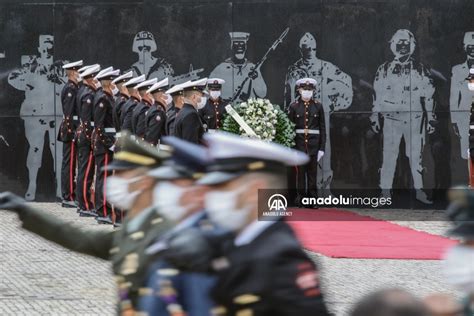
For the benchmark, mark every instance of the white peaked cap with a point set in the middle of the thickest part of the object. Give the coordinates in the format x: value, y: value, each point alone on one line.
x: 73, y: 64
x: 146, y: 83
x: 125, y: 76
x: 108, y: 74
x: 225, y: 145
x: 103, y: 71
x: 306, y: 81
x: 176, y: 88
x: 91, y: 70
x: 211, y: 81
x: 80, y: 70
x: 199, y: 84
x: 134, y: 81
x: 160, y: 84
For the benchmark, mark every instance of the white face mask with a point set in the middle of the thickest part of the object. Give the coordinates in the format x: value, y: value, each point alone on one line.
x: 470, y: 86
x: 221, y: 206
x: 202, y: 103
x: 98, y: 84
x: 307, y: 95
x: 115, y: 90
x: 169, y: 99
x: 214, y: 94
x: 166, y: 198
x: 459, y: 268
x: 118, y: 194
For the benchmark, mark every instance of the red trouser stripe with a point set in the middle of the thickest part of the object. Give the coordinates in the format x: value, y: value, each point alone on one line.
x: 104, y: 189
x: 84, y: 185
x: 71, y: 172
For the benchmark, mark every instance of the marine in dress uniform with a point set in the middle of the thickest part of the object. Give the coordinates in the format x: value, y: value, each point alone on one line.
x: 126, y: 115
x: 176, y: 93
x: 120, y: 99
x: 169, y: 290
x: 308, y: 116
x: 188, y: 125
x: 85, y: 154
x: 155, y: 117
x: 67, y: 132
x: 213, y: 112
x: 265, y: 270
x: 124, y: 247
x: 104, y: 143
x: 138, y: 113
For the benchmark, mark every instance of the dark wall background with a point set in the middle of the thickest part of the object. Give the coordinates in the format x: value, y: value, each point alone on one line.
x: 352, y: 35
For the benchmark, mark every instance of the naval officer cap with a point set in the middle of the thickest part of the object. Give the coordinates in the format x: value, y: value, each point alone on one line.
x: 471, y: 74
x: 239, y: 36
x: 176, y: 90
x: 188, y: 161
x: 91, y: 71
x: 123, y: 78
x: 103, y: 71
x: 134, y: 81
x: 136, y: 154
x: 196, y: 85
x: 145, y: 85
x: 306, y: 83
x: 215, y: 83
x: 108, y: 75
x: 234, y: 156
x: 74, y: 65
x: 84, y: 68
x: 160, y: 86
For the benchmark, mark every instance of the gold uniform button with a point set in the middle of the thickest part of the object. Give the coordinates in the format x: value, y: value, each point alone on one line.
x: 246, y: 299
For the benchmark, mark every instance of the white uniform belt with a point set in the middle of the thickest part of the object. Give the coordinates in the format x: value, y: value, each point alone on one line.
x: 109, y: 130
x: 119, y: 134
x: 471, y: 126
x: 307, y: 131
x: 212, y: 130
x: 75, y: 118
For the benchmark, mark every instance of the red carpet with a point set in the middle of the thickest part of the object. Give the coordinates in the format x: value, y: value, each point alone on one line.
x: 342, y: 234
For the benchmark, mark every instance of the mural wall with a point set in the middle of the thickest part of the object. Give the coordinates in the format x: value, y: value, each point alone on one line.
x: 391, y: 76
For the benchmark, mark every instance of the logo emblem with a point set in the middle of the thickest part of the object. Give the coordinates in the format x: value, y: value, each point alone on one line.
x: 277, y: 202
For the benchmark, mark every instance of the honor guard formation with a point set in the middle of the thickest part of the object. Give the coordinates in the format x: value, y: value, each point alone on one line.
x: 149, y: 158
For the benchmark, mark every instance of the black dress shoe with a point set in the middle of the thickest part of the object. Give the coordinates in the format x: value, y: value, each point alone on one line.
x: 68, y: 204
x: 84, y: 213
x: 104, y: 220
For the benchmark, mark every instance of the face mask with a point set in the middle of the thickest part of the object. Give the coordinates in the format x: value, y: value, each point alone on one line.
x: 118, y: 194
x: 169, y: 99
x: 306, y: 95
x: 470, y: 86
x: 115, y: 90
x: 98, y: 84
x: 202, y: 103
x: 221, y: 207
x: 459, y: 268
x: 215, y: 95
x: 166, y: 197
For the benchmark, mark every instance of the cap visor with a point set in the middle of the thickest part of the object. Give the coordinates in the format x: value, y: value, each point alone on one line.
x: 217, y: 177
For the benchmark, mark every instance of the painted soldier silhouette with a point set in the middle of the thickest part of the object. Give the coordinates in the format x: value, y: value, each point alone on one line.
x: 41, y: 79
x: 334, y: 91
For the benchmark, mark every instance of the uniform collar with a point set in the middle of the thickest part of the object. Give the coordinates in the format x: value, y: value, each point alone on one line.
x: 251, y: 232
x: 188, y: 222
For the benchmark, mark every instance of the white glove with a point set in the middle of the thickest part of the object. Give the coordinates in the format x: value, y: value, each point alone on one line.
x: 113, y: 148
x: 320, y: 155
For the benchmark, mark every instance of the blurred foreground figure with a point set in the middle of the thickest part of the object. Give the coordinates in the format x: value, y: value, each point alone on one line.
x: 459, y: 260
x: 130, y: 189
x: 390, y: 302
x: 264, y: 270
x: 178, y: 199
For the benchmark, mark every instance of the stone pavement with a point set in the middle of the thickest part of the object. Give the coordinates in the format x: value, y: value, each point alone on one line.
x: 40, y: 278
